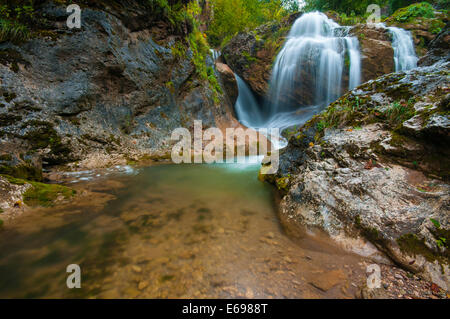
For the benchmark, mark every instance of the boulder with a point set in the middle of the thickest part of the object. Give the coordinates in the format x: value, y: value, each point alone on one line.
x: 373, y: 167
x: 229, y: 81
x: 376, y: 51
x: 438, y: 49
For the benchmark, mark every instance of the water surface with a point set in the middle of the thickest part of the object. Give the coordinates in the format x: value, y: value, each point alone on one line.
x: 168, y: 231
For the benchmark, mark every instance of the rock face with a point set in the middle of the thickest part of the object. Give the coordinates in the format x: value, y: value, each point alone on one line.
x: 377, y: 54
x: 251, y: 54
x: 118, y: 86
x: 229, y: 81
x: 439, y: 48
x: 372, y: 170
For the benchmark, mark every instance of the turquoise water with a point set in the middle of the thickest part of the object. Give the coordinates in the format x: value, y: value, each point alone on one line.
x: 166, y: 231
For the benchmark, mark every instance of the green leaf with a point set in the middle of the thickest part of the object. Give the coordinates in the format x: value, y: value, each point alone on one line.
x: 435, y: 223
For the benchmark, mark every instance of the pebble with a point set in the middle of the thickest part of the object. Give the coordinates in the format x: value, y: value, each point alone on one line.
x: 136, y: 268
x: 142, y: 285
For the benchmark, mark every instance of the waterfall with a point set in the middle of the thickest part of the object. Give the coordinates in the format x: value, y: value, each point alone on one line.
x: 404, y: 54
x: 215, y: 54
x: 309, y: 69
x: 247, y: 108
x: 355, y: 62
x: 405, y: 57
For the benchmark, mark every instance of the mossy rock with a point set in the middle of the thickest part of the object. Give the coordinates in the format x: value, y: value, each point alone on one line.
x: 43, y: 135
x: 26, y: 172
x: 40, y: 194
x: 411, y: 244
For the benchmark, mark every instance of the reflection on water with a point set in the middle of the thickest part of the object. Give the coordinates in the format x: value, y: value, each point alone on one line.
x: 191, y: 231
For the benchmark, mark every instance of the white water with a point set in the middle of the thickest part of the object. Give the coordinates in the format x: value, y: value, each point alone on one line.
x: 319, y: 45
x: 313, y: 59
x: 405, y: 57
x: 312, y: 62
x: 247, y: 108
x: 215, y: 54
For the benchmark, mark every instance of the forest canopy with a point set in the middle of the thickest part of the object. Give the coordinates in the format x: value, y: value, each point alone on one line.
x: 233, y: 16
x: 359, y: 7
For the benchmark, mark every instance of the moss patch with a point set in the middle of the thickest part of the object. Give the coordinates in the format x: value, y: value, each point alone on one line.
x: 26, y: 172
x: 43, y: 135
x: 40, y: 194
x: 411, y: 244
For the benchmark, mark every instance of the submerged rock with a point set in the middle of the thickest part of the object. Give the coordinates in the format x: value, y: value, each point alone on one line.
x: 374, y: 167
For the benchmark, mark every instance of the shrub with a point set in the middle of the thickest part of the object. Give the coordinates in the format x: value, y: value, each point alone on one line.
x: 416, y: 10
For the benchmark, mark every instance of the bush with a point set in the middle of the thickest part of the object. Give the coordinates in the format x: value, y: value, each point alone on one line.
x: 416, y: 10
x: 14, y: 17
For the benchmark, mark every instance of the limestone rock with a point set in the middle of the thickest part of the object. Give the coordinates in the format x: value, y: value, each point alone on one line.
x: 370, y: 176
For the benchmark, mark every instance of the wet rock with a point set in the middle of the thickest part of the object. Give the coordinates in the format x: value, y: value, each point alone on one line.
x: 110, y: 92
x: 136, y: 269
x: 326, y: 281
x: 11, y: 195
x: 142, y: 285
x: 251, y: 54
x: 376, y: 178
x: 377, y: 54
x: 438, y: 49
x: 377, y: 293
x: 229, y: 80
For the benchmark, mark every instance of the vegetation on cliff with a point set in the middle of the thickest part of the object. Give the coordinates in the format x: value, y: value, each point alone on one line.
x: 233, y: 16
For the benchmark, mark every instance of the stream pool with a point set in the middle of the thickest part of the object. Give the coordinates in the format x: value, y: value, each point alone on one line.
x: 171, y: 231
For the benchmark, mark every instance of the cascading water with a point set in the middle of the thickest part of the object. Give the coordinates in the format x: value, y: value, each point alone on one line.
x: 308, y: 73
x: 309, y: 69
x: 215, y: 54
x: 404, y: 54
x: 247, y: 108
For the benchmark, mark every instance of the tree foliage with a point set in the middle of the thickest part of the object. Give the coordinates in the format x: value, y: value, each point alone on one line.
x: 359, y: 7
x: 233, y: 16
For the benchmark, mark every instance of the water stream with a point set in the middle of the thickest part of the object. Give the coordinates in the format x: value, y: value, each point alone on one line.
x: 307, y: 75
x: 199, y: 231
x: 405, y: 57
x: 171, y: 231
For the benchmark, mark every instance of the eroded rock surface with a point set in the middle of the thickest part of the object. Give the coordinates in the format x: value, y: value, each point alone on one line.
x: 114, y: 89
x: 374, y: 167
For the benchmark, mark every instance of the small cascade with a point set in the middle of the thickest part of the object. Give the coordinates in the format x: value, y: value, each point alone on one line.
x: 310, y: 67
x: 247, y: 108
x: 355, y: 62
x: 404, y: 54
x: 405, y: 57
x: 215, y: 54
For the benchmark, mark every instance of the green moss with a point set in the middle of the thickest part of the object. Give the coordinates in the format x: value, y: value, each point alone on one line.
x: 9, y: 119
x: 27, y: 172
x: 43, y: 135
x: 411, y: 244
x: 282, y: 184
x: 40, y: 194
x: 166, y: 278
x: 408, y: 14
x: 1, y: 210
x: 1, y: 223
x: 45, y: 194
